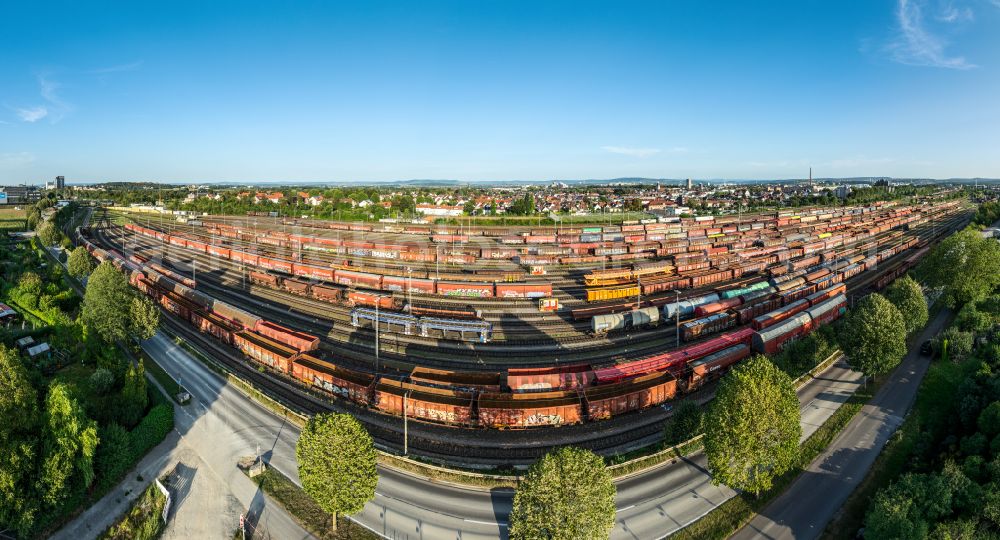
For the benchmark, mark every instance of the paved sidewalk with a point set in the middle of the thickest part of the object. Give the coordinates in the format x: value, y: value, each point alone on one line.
x: 210, y: 492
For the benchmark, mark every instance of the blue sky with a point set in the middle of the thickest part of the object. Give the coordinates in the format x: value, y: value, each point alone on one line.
x: 493, y: 90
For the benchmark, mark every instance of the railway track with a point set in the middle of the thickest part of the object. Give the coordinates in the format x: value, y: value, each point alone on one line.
x: 357, y: 344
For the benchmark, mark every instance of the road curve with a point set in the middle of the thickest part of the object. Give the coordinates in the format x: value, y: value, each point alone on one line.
x: 651, y: 504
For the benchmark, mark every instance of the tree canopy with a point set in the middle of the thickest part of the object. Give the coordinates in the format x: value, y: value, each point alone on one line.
x: 110, y: 306
x: 80, y: 263
x: 873, y: 335
x: 568, y: 494
x: 906, y: 295
x: 47, y: 233
x: 965, y: 264
x: 337, y: 460
x: 752, y: 426
x: 69, y: 443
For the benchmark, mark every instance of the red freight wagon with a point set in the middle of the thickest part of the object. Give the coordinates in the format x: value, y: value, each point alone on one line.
x: 315, y: 272
x: 226, y: 311
x: 707, y: 277
x: 549, y: 378
x: 346, y: 383
x: 293, y: 338
x: 219, y: 251
x: 828, y: 311
x: 424, y: 402
x: 275, y: 264
x: 176, y: 305
x: 673, y: 359
x: 176, y: 240
x: 529, y: 410
x: 771, y: 339
x: 498, y: 253
x: 358, y: 279
x: 417, y: 256
x: 632, y: 395
x: 243, y: 257
x: 667, y: 284
x: 462, y: 288
x: 524, y: 290
x: 327, y: 294
x: 822, y: 296
x: 384, y: 301
x: 401, y: 284
x: 711, y: 324
x: 715, y: 365
x: 745, y: 314
x: 266, y: 351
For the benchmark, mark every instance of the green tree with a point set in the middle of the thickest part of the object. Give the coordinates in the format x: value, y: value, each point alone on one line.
x: 80, y: 263
x: 337, y: 463
x: 873, y: 335
x: 568, y: 494
x: 906, y: 295
x: 144, y: 317
x: 965, y: 264
x: 106, y: 302
x: 959, y: 343
x: 18, y: 444
x: 752, y: 427
x: 685, y: 423
x: 906, y: 508
x: 971, y: 319
x: 47, y: 233
x: 133, y: 396
x: 69, y: 442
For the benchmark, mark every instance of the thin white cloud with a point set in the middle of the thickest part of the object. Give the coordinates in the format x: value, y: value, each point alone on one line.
x: 951, y: 14
x: 132, y: 66
x: 32, y: 114
x: 917, y: 46
x: 634, y: 152
x: 16, y: 160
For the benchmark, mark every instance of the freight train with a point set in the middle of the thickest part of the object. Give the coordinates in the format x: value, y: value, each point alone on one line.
x: 363, y: 280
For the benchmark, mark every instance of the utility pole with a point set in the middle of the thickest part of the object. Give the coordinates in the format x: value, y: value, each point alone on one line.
x: 406, y: 432
x: 377, y: 300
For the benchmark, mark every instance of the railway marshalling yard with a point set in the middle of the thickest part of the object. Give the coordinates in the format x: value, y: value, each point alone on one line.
x: 503, y: 342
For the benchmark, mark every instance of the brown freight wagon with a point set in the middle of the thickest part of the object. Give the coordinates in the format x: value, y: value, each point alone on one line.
x: 424, y: 402
x: 502, y: 410
x: 632, y: 395
x: 463, y: 380
x: 327, y: 294
x: 297, y: 287
x: 329, y: 377
x: 266, y: 351
x: 549, y: 378
x: 215, y: 325
x: 263, y: 279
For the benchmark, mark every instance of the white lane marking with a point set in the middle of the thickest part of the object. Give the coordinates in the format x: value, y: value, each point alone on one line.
x: 629, y: 507
x: 500, y: 523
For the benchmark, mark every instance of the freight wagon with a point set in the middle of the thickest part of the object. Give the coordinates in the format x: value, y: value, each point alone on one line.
x: 423, y: 402
x: 331, y: 378
x: 639, y: 393
x: 549, y: 378
x: 535, y: 409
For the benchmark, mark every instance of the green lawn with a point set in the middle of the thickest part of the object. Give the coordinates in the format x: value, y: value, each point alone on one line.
x: 12, y: 220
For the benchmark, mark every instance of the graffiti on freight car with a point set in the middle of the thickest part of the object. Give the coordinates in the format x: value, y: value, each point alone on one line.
x: 542, y: 419
x: 435, y: 414
x: 478, y: 293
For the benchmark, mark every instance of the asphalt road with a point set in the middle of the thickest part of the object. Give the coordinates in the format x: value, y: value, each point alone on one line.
x: 652, y: 504
x: 803, y: 511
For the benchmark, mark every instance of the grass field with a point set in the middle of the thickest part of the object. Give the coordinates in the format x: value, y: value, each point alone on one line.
x: 12, y: 220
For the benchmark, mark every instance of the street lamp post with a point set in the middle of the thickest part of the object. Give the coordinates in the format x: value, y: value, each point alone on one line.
x: 377, y: 299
